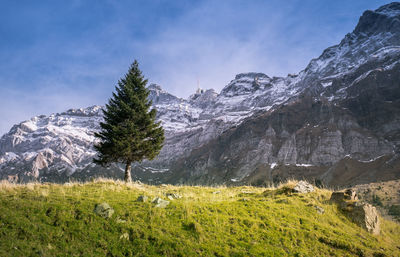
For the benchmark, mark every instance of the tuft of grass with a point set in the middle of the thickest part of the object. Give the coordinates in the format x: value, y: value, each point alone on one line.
x: 53, y: 220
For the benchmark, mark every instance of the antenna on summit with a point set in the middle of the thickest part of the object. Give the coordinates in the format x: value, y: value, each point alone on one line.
x: 199, y: 90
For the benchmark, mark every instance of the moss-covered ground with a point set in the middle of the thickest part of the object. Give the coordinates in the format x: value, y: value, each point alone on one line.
x: 58, y: 220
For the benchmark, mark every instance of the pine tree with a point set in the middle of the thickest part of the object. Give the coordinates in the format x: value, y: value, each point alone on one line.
x: 129, y: 132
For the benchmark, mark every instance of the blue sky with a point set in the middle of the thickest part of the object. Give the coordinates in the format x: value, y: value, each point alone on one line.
x: 56, y: 55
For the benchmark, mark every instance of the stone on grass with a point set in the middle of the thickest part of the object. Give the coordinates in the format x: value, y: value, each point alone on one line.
x: 303, y: 187
x: 366, y: 216
x: 363, y: 214
x: 173, y: 196
x: 160, y: 203
x: 104, y: 210
x: 142, y: 198
x: 319, y: 209
x: 216, y: 192
x: 124, y: 236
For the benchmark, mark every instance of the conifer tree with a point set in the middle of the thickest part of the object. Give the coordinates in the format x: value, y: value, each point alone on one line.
x: 129, y: 132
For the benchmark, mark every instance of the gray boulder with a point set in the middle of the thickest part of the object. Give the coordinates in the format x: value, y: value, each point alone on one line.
x: 142, y: 198
x: 160, y: 203
x: 367, y: 217
x: 173, y: 196
x: 303, y: 187
x: 104, y: 210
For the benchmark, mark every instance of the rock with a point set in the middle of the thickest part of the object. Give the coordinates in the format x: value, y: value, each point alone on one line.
x: 119, y: 220
x: 216, y: 192
x: 340, y: 196
x: 351, y: 194
x: 366, y: 216
x: 160, y: 203
x: 319, y: 209
x: 363, y: 214
x: 104, y: 210
x: 303, y: 187
x: 173, y: 196
x: 124, y: 236
x: 142, y: 198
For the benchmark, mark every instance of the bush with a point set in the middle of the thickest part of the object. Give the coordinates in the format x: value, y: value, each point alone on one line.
x: 394, y: 210
x: 376, y: 200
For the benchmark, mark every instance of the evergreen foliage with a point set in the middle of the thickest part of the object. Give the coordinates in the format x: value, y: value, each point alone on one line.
x: 129, y: 132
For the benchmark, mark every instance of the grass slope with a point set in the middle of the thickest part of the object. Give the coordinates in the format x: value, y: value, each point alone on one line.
x: 58, y: 220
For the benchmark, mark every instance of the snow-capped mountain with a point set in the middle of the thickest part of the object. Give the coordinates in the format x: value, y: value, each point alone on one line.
x: 330, y: 121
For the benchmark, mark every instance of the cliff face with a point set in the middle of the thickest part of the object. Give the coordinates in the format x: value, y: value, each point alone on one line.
x: 337, y: 121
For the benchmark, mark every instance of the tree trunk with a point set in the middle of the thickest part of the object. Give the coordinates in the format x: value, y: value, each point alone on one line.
x: 128, y: 177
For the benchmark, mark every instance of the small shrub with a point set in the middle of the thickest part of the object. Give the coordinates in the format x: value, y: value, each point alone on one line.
x: 394, y: 210
x: 376, y: 200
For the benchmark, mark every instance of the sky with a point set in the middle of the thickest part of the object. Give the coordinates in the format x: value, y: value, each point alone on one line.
x: 56, y: 55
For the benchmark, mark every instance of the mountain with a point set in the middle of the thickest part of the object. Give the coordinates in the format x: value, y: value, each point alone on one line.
x: 337, y: 121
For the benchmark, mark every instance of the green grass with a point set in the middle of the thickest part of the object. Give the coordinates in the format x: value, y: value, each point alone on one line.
x: 58, y: 220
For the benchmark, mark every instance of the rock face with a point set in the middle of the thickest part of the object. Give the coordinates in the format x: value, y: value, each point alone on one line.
x: 337, y: 122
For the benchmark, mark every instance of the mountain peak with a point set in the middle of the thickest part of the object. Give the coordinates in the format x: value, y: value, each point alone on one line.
x: 89, y: 111
x: 154, y: 87
x: 392, y: 9
x: 251, y: 75
x: 384, y: 19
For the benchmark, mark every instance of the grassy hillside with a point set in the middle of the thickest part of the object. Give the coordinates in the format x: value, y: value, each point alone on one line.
x: 59, y: 220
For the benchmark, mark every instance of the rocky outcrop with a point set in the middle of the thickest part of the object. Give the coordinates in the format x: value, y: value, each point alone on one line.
x: 303, y: 187
x: 342, y: 196
x: 363, y: 214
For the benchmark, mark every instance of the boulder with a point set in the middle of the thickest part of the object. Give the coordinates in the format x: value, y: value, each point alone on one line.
x: 340, y: 196
x: 303, y: 187
x: 363, y: 214
x: 160, y: 203
x: 104, y: 210
x: 173, y: 196
x: 142, y: 198
x: 366, y: 216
